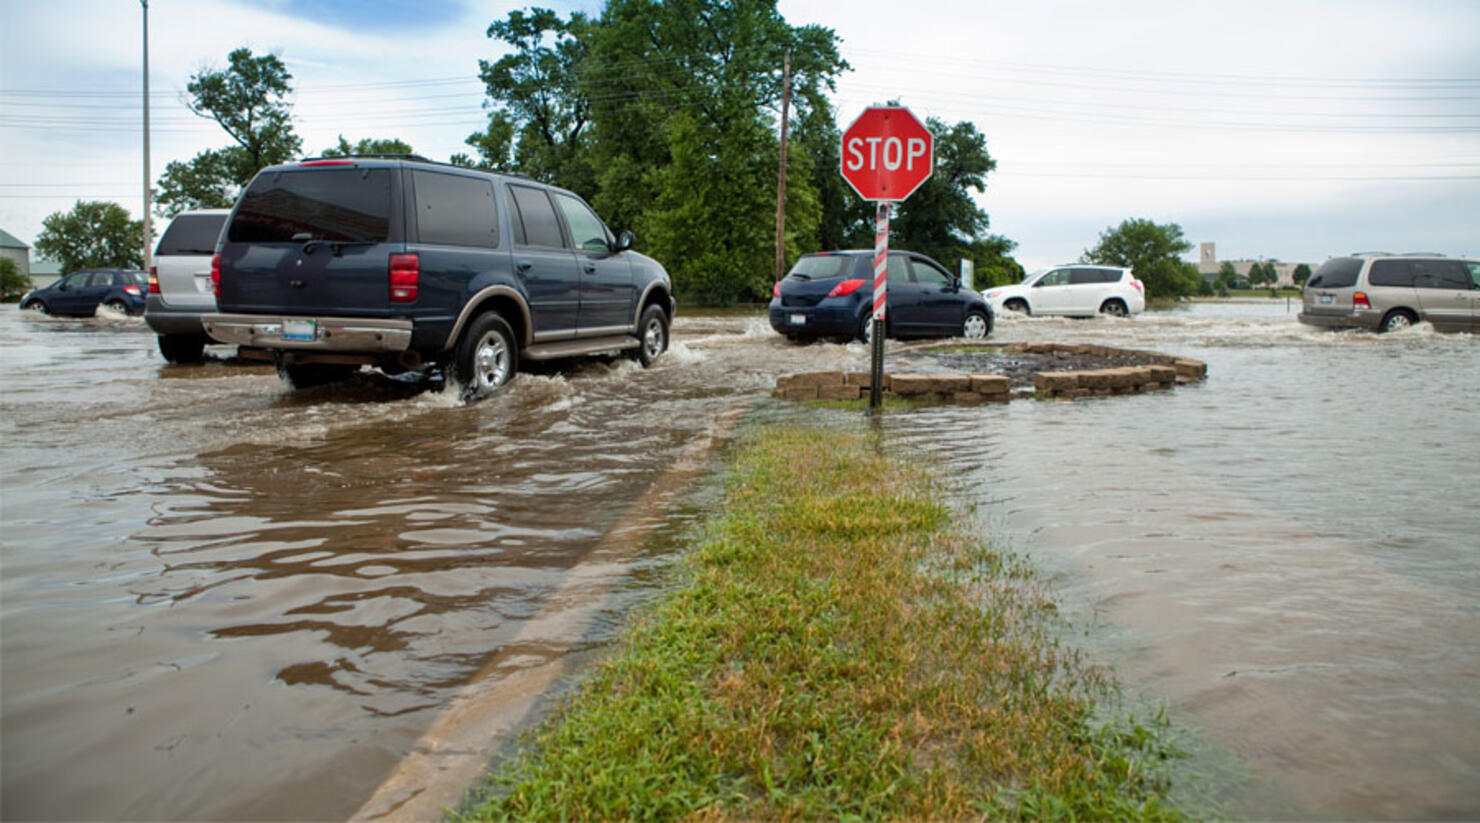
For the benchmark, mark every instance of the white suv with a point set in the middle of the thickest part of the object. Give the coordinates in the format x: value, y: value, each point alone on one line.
x: 1075, y: 289
x: 180, y: 283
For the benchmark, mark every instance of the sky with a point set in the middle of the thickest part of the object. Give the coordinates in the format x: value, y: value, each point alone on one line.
x: 1294, y: 130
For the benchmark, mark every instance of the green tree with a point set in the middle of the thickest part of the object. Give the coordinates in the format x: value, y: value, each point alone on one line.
x: 248, y: 100
x: 1227, y: 275
x: 368, y: 145
x: 12, y: 283
x: 1301, y: 274
x: 93, y: 234
x: 1152, y: 251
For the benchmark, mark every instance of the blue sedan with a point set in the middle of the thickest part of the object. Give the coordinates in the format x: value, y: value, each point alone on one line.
x: 81, y: 292
x: 831, y: 294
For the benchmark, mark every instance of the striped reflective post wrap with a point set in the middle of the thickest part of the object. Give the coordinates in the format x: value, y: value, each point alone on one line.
x: 881, y: 300
x: 881, y: 261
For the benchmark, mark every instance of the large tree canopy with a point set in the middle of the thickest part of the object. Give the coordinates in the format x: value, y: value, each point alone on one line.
x: 93, y: 234
x: 248, y: 99
x: 367, y: 146
x: 1153, y: 251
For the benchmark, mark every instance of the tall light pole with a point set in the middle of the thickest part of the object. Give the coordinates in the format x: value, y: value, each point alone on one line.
x: 148, y: 232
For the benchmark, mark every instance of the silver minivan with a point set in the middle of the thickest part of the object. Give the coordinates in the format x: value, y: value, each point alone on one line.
x: 1384, y: 292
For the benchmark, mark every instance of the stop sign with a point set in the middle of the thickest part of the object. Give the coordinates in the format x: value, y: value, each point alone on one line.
x: 887, y: 153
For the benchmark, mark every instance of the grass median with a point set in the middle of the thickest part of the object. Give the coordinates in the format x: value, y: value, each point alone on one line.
x: 837, y: 647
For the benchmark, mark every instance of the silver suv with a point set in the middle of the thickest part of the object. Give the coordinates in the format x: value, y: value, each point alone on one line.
x: 1383, y: 292
x: 180, y: 283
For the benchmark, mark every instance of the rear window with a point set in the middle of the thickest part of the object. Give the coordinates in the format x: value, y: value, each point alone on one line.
x: 191, y: 234
x: 822, y: 267
x: 1337, y: 273
x: 345, y: 205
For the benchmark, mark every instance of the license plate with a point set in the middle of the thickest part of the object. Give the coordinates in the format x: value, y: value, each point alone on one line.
x: 301, y: 330
x: 799, y: 319
x: 1327, y: 298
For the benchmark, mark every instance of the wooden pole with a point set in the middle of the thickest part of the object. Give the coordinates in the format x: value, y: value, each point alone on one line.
x: 781, y: 170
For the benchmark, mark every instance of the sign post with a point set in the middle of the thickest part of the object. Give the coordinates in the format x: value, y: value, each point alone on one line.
x: 886, y: 155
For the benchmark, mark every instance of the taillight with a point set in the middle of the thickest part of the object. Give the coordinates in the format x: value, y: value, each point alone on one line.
x: 846, y: 287
x: 134, y: 290
x: 405, y: 277
x: 776, y: 289
x: 154, y: 280
x: 216, y: 275
x: 1139, y: 286
x: 1360, y: 301
x: 327, y: 163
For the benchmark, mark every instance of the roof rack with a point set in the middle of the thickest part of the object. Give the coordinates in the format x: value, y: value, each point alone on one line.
x: 400, y: 156
x: 1423, y: 254
x: 1371, y: 254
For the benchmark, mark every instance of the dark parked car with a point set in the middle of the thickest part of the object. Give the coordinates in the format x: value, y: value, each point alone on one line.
x: 409, y: 265
x: 80, y: 293
x: 830, y: 295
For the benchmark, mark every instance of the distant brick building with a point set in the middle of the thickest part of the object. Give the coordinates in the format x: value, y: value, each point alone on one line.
x: 1208, y: 266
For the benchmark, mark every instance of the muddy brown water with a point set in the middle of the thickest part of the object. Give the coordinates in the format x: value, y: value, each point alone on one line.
x: 222, y: 600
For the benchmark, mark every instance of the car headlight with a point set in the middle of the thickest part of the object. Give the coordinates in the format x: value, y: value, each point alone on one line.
x: 993, y: 293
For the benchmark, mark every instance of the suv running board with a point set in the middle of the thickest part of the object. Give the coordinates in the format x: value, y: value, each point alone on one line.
x: 575, y: 348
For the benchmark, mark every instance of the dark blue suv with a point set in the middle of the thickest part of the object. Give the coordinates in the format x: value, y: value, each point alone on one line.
x: 831, y: 295
x: 409, y: 265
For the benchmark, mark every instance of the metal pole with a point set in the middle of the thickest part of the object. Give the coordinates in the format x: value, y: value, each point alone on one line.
x: 148, y: 205
x: 881, y: 298
x: 781, y: 170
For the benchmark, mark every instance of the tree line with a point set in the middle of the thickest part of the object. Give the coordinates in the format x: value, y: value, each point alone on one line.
x: 666, y: 117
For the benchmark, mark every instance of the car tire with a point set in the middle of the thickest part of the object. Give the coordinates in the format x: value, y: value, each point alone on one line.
x: 976, y: 326
x: 652, y: 334
x: 1017, y: 305
x: 182, y: 348
x: 1396, y: 320
x: 1114, y: 307
x: 36, y: 306
x: 309, y: 375
x: 487, y: 356
x: 117, y: 305
x: 865, y: 328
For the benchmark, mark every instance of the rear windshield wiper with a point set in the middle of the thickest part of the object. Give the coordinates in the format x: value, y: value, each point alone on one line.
x: 335, y: 246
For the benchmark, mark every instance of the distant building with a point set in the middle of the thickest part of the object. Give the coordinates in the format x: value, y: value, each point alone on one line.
x: 13, y: 249
x: 45, y: 272
x: 1208, y: 265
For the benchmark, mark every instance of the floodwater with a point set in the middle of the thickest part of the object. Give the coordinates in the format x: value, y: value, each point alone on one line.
x: 223, y: 600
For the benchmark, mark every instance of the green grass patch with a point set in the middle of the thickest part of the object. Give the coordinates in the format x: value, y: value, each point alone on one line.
x: 836, y: 648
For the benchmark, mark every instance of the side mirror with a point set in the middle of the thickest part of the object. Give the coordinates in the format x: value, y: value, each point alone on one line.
x: 625, y: 241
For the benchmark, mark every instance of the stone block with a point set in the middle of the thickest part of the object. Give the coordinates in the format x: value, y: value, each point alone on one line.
x: 1162, y: 374
x: 990, y: 384
x: 1194, y: 369
x: 1055, y: 381
x: 797, y: 393
x: 839, y: 392
x: 1094, y: 379
x: 952, y: 383
x: 912, y: 385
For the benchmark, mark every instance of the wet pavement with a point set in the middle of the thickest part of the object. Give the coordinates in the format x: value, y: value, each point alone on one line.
x: 220, y: 599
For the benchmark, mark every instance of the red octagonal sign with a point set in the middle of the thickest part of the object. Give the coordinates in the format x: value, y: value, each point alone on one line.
x: 887, y: 154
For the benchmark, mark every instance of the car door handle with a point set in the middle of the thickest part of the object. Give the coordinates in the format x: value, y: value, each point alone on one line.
x: 523, y: 265
x: 589, y: 267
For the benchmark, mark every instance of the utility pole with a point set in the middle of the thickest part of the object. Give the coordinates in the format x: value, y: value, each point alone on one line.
x: 148, y: 232
x: 781, y: 170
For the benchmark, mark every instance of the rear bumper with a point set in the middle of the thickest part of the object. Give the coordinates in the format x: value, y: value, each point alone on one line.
x: 814, y: 321
x: 165, y: 320
x: 357, y: 335
x: 1351, y: 320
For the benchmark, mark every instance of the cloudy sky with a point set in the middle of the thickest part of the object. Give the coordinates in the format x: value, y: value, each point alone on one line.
x: 1288, y: 129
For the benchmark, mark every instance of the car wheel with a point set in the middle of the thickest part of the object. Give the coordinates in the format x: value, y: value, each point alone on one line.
x: 653, y: 332
x: 1114, y: 308
x: 182, y: 348
x: 36, y: 306
x: 1019, y: 306
x: 308, y: 375
x: 117, y: 305
x: 975, y: 326
x: 1397, y: 319
x: 866, y: 328
x: 487, y: 357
